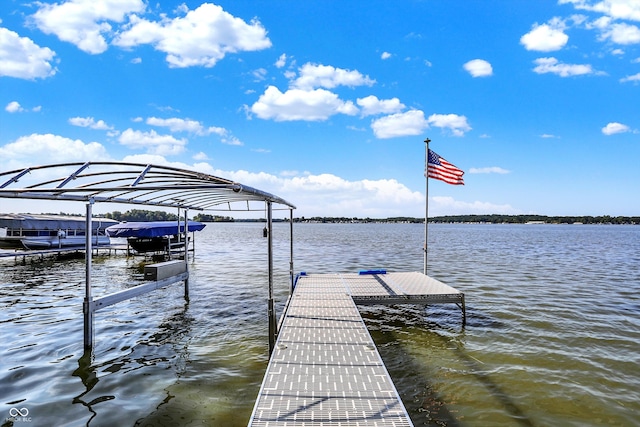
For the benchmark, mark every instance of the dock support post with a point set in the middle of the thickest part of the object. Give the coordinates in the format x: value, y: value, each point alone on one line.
x: 464, y: 312
x: 87, y: 307
x: 271, y: 311
x: 291, y: 278
x: 186, y: 251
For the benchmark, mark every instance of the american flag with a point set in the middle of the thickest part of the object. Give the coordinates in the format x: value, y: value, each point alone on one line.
x: 439, y: 168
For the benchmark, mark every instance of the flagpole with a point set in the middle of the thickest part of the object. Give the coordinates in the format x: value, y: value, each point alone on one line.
x: 426, y: 210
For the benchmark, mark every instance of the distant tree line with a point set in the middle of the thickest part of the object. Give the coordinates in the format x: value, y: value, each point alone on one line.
x: 144, y: 215
x: 212, y: 218
x: 342, y: 219
x: 523, y: 219
x: 491, y: 219
x: 330, y: 219
x: 135, y: 215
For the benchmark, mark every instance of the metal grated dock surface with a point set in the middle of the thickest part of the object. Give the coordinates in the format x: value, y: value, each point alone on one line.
x: 325, y: 369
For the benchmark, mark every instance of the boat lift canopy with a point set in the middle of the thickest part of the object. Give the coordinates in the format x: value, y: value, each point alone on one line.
x: 132, y: 183
x: 142, y: 184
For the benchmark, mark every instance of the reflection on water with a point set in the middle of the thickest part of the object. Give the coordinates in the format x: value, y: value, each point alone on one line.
x: 552, y: 334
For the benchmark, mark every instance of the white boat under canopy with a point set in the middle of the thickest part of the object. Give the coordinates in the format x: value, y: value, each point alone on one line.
x: 50, y: 231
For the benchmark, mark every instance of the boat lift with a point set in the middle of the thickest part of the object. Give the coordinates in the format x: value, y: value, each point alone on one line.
x: 149, y: 185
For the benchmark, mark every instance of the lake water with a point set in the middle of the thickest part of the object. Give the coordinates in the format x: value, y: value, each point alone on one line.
x: 552, y: 335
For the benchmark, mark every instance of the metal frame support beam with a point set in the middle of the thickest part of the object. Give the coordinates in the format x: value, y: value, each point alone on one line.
x: 186, y: 251
x: 87, y: 308
x: 291, y: 278
x: 270, y: 310
x: 125, y: 294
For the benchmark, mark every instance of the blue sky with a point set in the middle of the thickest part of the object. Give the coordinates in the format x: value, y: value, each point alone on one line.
x: 327, y: 103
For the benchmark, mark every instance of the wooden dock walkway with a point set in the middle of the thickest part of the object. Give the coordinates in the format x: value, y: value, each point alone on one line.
x: 325, y: 369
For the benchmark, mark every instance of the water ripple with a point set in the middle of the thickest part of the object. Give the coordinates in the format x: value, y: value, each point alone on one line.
x: 553, y: 326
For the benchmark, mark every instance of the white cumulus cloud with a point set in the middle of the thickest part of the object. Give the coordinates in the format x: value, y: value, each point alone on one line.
x: 458, y: 125
x: 633, y: 78
x: 408, y: 123
x: 84, y: 22
x: 176, y: 124
x: 328, y: 77
x: 298, y: 104
x: 282, y: 61
x: 194, y: 127
x: 371, y: 105
x: 615, y: 127
x: 479, y: 68
x: 152, y: 142
x: 308, y: 98
x: 201, y: 38
x: 13, y: 107
x: 621, y: 33
x: 89, y: 122
x: 331, y: 195
x: 327, y: 194
x: 609, y: 25
x: 552, y: 65
x: 545, y: 37
x: 21, y: 58
x: 201, y: 156
x: 618, y: 9
x: 38, y: 149
x: 450, y: 206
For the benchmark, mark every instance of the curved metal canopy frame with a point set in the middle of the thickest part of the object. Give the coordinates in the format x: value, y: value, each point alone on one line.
x: 130, y: 183
x: 140, y: 184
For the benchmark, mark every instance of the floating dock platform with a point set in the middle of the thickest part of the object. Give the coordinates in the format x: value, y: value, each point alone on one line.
x: 325, y: 369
